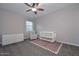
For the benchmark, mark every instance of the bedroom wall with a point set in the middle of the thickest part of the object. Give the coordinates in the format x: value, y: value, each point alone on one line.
x: 0, y: 27
x: 64, y: 22
x: 11, y: 23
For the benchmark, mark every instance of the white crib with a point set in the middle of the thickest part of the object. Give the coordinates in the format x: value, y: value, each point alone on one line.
x: 48, y: 36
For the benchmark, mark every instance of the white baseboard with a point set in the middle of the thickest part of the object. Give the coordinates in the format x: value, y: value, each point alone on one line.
x: 69, y: 43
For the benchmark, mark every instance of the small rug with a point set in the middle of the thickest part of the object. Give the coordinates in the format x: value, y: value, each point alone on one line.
x: 50, y: 46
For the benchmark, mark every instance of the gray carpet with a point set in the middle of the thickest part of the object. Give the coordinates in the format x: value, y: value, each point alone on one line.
x: 26, y: 48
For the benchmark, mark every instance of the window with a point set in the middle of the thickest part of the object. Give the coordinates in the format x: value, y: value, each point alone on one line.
x: 29, y: 26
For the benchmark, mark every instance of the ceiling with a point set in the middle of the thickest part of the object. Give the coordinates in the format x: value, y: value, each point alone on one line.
x: 21, y: 8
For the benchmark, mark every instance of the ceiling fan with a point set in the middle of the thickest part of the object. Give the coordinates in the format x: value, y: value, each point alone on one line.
x: 33, y: 7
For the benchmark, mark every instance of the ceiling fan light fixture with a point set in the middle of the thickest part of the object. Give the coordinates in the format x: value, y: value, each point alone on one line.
x: 34, y: 9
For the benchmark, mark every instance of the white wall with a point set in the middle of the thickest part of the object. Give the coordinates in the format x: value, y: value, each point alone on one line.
x: 0, y: 26
x: 11, y: 23
x: 65, y: 22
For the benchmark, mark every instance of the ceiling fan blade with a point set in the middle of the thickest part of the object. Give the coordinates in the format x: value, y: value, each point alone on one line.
x: 27, y: 4
x: 28, y: 10
x: 37, y: 4
x: 40, y: 9
x: 33, y: 5
x: 35, y: 12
